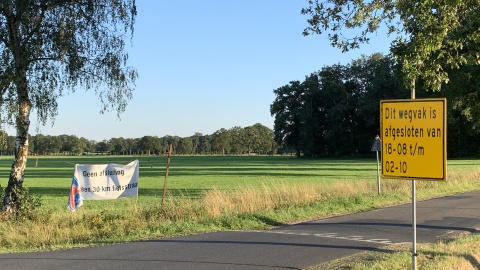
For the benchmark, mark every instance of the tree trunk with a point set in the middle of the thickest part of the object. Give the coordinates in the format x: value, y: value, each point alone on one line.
x: 24, y: 105
x: 17, y: 171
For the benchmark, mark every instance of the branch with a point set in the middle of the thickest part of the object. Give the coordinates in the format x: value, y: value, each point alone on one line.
x: 38, y: 21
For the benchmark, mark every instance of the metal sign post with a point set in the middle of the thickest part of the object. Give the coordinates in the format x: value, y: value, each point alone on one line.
x: 377, y: 147
x: 414, y: 145
x: 414, y: 227
x: 414, y: 211
x: 170, y: 150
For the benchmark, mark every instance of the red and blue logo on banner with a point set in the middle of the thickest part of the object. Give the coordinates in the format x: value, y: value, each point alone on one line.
x: 75, y: 198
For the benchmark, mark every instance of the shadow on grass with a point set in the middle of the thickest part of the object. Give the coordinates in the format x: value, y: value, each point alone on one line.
x: 468, y: 257
x: 267, y: 220
x: 61, y: 173
x: 146, y: 192
x: 154, y: 166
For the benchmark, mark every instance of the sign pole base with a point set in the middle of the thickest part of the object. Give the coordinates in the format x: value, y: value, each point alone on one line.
x: 414, y: 227
x: 378, y: 175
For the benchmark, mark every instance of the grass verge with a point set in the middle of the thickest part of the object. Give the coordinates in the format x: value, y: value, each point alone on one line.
x: 242, y: 196
x: 250, y: 207
x: 461, y: 253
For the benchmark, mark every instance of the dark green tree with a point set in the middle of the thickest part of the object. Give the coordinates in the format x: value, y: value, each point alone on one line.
x: 104, y: 147
x: 337, y: 108
x: 431, y: 36
x: 378, y: 77
x: 286, y: 108
x: 237, y: 143
x: 250, y: 139
x: 264, y: 139
x: 149, y: 144
x: 71, y: 145
x: 86, y: 145
x: 196, y: 142
x: 221, y: 141
x: 463, y: 110
x: 185, y: 146
x: 205, y: 147
x: 132, y: 146
x: 311, y: 116
x: 334, y: 102
x: 119, y: 145
x: 55, y: 144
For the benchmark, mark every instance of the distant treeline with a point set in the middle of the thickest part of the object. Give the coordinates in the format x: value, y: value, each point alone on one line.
x: 335, y: 111
x: 256, y: 139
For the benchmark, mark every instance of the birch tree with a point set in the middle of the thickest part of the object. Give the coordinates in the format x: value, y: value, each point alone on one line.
x: 49, y: 48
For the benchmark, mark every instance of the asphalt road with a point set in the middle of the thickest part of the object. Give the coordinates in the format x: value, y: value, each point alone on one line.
x: 289, y: 247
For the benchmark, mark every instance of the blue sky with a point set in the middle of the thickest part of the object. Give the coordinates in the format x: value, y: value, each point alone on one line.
x: 203, y: 66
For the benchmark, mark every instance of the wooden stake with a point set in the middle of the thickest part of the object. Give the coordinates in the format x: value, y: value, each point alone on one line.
x: 170, y: 150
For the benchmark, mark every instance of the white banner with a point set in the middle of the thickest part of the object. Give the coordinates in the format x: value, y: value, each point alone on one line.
x: 101, y: 182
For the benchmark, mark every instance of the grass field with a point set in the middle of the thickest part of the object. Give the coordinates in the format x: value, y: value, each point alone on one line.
x: 208, y: 193
x: 193, y: 175
x: 189, y: 176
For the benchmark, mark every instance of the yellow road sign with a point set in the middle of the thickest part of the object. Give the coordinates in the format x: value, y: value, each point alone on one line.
x: 414, y: 138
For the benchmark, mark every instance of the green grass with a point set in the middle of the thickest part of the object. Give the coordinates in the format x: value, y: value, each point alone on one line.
x: 460, y: 253
x: 208, y: 193
x: 192, y: 176
x: 189, y: 176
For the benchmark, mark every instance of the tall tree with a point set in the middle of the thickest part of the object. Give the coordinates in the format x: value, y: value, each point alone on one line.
x: 205, y: 146
x: 237, y: 144
x: 196, y: 142
x: 119, y: 145
x: 336, y: 107
x: 286, y: 108
x: 334, y: 101
x: 55, y: 144
x: 185, y: 146
x: 166, y: 141
x: 48, y: 47
x: 312, y: 116
x: 104, y: 147
x: 432, y: 36
x: 221, y: 141
x: 149, y: 144
x: 379, y: 79
x: 132, y: 145
x: 250, y: 139
x: 264, y: 139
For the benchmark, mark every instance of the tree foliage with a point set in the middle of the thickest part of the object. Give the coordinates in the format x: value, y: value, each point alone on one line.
x: 255, y: 140
x: 336, y: 109
x: 431, y: 36
x: 50, y: 47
